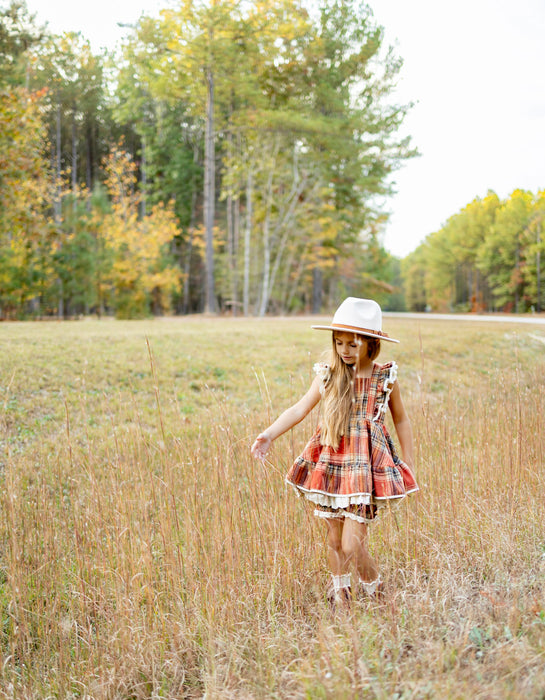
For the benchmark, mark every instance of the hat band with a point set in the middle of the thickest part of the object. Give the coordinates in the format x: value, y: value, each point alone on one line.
x: 355, y: 329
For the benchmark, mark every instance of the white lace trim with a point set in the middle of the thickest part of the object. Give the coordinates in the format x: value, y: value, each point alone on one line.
x: 389, y: 382
x: 343, y: 514
x: 321, y: 498
x: 370, y: 587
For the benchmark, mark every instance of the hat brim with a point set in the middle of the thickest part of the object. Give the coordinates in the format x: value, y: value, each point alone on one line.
x: 366, y: 333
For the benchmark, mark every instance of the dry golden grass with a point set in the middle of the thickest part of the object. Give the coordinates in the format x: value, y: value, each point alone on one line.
x: 144, y: 554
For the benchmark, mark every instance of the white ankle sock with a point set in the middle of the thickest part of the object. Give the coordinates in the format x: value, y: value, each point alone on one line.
x: 342, y: 581
x: 370, y: 587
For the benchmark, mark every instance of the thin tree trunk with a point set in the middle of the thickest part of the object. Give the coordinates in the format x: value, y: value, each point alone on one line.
x: 187, y: 263
x: 317, y: 289
x: 285, y: 288
x: 233, y: 221
x: 74, y: 155
x: 265, y: 287
x: 57, y: 207
x: 517, y: 265
x: 88, y: 169
x: 295, y: 283
x: 247, y: 242
x: 234, y: 268
x: 232, y: 208
x: 209, y: 194
x: 285, y: 224
x: 538, y: 267
x: 266, y: 256
x: 58, y: 203
x: 143, y: 210
x: 233, y: 224
x: 192, y: 221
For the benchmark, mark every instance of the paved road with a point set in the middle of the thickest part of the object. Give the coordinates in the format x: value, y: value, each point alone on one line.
x: 500, y: 318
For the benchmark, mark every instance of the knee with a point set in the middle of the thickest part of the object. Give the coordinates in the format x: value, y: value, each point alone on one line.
x: 350, y: 549
x: 352, y: 546
x: 334, y: 540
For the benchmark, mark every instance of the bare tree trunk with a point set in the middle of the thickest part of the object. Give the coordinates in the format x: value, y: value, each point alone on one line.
x: 247, y: 242
x: 74, y: 154
x: 58, y: 202
x: 284, y: 223
x: 143, y: 169
x: 209, y: 194
x: 57, y: 208
x: 285, y: 286
x: 187, y: 263
x: 192, y: 217
x: 538, y: 267
x: 517, y: 265
x: 266, y: 253
x: 234, y: 267
x: 317, y: 289
x: 265, y: 287
x: 295, y: 283
x: 88, y: 169
x: 232, y: 223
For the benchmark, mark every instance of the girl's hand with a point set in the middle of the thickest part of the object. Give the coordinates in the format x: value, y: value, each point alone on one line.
x: 261, y: 446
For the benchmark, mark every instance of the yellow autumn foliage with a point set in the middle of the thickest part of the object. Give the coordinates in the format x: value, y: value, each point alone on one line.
x: 142, y: 276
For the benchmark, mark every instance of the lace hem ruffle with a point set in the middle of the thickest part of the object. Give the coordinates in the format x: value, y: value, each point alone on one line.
x: 334, y: 500
x: 342, y: 515
x: 331, y: 500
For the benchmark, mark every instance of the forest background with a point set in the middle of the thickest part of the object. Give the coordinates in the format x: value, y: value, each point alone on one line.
x: 229, y: 157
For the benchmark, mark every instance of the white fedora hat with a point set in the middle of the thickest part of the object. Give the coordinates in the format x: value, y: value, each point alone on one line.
x: 361, y: 316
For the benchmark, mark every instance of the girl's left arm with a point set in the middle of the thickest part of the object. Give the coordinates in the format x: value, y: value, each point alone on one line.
x: 402, y: 425
x: 287, y: 420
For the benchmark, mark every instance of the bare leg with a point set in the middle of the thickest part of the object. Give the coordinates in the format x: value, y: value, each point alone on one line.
x: 354, y: 547
x: 339, y: 593
x: 335, y: 555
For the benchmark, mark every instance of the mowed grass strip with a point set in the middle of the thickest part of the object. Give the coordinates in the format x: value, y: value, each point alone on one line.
x: 145, y: 554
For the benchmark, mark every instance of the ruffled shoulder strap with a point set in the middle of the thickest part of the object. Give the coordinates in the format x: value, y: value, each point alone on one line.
x: 389, y: 372
x: 386, y: 380
x: 322, y: 370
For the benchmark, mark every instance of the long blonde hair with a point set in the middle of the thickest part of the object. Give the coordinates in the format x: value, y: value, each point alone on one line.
x: 339, y: 394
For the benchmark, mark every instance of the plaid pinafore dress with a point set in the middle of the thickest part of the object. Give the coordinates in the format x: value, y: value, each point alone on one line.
x: 364, y: 473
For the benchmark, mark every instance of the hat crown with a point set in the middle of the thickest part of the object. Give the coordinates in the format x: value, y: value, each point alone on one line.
x: 361, y: 316
x: 354, y: 313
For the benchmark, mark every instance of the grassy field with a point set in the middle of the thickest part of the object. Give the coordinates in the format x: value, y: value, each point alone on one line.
x: 144, y: 554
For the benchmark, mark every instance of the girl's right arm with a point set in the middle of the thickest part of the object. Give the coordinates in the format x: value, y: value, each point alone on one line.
x: 291, y: 416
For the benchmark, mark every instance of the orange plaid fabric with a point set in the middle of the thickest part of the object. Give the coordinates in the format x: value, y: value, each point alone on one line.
x: 364, y: 473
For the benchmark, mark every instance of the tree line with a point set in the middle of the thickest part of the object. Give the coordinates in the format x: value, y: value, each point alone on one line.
x: 487, y: 257
x: 228, y: 157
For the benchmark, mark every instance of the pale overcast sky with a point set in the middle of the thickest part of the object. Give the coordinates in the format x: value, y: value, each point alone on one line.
x: 474, y: 68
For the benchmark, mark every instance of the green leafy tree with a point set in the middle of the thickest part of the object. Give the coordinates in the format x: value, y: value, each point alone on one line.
x: 413, y: 271
x: 503, y: 254
x: 170, y: 144
x: 24, y: 190
x: 534, y: 236
x: 455, y: 280
x: 295, y: 114
x: 474, y: 225
x: 143, y: 277
x: 18, y: 34
x: 76, y: 107
x: 486, y: 257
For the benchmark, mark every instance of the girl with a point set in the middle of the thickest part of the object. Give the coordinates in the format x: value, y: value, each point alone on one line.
x: 350, y: 468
